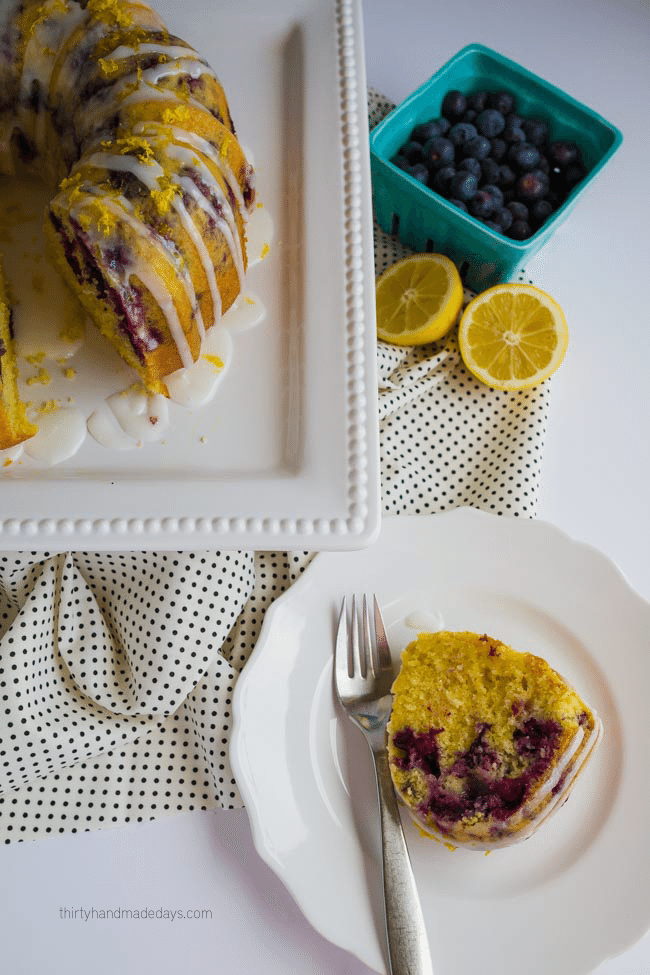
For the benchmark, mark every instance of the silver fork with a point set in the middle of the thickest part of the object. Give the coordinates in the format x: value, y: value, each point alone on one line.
x: 363, y: 678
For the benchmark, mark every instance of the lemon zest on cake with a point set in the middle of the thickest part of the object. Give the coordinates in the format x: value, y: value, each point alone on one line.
x: 181, y: 114
x: 133, y: 39
x: 108, y: 68
x: 110, y: 12
x: 132, y: 145
x: 163, y: 198
x: 100, y: 218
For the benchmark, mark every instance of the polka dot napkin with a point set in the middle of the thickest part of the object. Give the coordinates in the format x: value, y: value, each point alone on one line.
x: 117, y: 669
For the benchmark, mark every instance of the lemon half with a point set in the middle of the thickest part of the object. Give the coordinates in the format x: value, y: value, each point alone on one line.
x: 513, y: 336
x: 418, y: 300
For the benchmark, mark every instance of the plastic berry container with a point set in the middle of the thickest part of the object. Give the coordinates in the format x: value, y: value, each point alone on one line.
x: 426, y: 221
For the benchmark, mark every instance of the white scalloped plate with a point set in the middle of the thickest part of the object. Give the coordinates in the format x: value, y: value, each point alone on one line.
x: 286, y: 456
x: 561, y: 902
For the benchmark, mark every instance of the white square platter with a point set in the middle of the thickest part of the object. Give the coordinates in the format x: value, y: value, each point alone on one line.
x: 286, y: 456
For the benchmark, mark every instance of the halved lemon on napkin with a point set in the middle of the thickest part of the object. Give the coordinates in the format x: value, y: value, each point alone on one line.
x: 418, y: 300
x: 513, y: 336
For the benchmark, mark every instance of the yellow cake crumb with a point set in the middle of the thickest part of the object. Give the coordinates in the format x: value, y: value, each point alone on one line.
x: 42, y: 376
x: 49, y: 406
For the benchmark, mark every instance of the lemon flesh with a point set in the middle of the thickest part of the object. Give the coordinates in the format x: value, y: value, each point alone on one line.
x: 513, y: 336
x: 418, y: 300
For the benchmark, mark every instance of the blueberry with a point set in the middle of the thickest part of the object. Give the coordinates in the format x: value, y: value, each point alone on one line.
x: 400, y: 161
x: 429, y: 130
x: 505, y: 177
x: 438, y: 152
x: 531, y: 187
x: 544, y: 164
x: 459, y: 203
x: 461, y: 132
x: 412, y: 151
x: 471, y: 166
x: 470, y: 116
x: 562, y: 153
x: 490, y: 123
x: 477, y: 148
x: 419, y: 172
x: 518, y: 210
x: 502, y: 101
x: 514, y: 120
x: 492, y: 224
x: 540, y: 212
x: 513, y: 133
x: 498, y: 150
x: 463, y: 186
x: 495, y: 193
x: 478, y: 100
x: 542, y: 176
x: 453, y: 105
x: 523, y: 156
x: 519, y: 230
x: 503, y: 218
x: 481, y: 205
x: 442, y: 178
x: 573, y: 175
x: 536, y: 130
x: 489, y: 170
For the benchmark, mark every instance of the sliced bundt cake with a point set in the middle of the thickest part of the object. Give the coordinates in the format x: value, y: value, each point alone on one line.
x: 150, y: 187
x: 14, y: 425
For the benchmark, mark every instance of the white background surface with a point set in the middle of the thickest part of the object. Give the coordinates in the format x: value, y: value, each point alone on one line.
x: 595, y: 487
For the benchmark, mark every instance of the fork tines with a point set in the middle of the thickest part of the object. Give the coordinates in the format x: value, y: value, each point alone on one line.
x: 364, y: 653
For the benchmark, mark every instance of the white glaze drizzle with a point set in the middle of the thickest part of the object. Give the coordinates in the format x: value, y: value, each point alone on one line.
x: 210, y: 152
x: 226, y: 221
x: 149, y: 173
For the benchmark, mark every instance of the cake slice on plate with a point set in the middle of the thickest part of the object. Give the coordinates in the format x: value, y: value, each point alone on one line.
x: 484, y: 742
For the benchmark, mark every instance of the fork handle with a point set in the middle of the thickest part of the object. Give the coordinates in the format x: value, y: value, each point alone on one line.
x: 408, y: 944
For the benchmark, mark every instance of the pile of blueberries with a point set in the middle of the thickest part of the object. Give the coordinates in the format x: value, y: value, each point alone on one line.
x: 491, y: 162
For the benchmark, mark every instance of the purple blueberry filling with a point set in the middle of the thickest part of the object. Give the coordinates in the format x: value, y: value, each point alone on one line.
x: 487, y: 788
x: 126, y: 301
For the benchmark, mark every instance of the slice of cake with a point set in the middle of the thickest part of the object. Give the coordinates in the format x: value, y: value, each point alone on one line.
x: 14, y: 425
x: 484, y: 742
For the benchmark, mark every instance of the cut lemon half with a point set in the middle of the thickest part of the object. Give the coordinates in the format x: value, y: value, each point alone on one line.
x: 418, y: 300
x: 513, y: 336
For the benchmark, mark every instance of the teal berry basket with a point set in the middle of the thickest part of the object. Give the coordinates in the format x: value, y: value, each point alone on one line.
x: 424, y: 220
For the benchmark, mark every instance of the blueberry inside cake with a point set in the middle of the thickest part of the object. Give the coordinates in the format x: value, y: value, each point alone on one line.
x: 484, y: 742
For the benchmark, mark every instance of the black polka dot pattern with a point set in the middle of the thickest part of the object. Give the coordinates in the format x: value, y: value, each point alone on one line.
x: 116, y: 679
x: 117, y: 670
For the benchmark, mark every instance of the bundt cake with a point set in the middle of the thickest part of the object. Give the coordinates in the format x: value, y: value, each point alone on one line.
x: 484, y: 742
x: 150, y: 186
